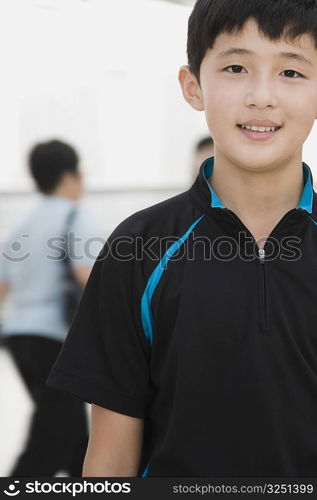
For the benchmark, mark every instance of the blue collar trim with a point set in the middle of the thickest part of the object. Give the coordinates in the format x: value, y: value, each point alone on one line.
x: 207, y: 171
x: 305, y: 203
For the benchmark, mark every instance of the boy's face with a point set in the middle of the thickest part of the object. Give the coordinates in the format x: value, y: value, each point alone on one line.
x: 259, y: 86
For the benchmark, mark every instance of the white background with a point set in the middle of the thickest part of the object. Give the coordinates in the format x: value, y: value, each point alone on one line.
x: 101, y: 74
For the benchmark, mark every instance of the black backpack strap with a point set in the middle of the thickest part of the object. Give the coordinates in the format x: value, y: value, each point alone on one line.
x: 69, y: 219
x: 68, y: 223
x: 72, y: 291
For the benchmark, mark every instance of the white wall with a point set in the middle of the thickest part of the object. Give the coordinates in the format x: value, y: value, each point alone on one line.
x: 103, y: 75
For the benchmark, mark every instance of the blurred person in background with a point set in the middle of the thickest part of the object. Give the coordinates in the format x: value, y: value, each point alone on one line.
x: 204, y: 149
x: 32, y: 272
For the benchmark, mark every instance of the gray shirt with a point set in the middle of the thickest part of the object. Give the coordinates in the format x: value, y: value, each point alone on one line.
x: 30, y: 262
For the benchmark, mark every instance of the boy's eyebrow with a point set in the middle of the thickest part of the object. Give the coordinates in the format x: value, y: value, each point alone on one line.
x: 241, y: 51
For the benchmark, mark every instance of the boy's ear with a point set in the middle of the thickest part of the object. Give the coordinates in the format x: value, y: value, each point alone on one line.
x: 191, y: 89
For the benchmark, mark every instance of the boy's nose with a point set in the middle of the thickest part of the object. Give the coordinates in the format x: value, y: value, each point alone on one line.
x: 261, y: 94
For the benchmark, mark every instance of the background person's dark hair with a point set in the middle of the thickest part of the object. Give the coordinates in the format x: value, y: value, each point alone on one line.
x: 48, y: 162
x: 203, y: 143
x: 276, y: 19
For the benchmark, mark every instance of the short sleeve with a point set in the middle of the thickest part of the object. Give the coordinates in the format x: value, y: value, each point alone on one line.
x: 4, y: 274
x: 85, y: 241
x: 105, y: 357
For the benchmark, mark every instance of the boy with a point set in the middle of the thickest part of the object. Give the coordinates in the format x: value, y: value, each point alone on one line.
x: 201, y: 360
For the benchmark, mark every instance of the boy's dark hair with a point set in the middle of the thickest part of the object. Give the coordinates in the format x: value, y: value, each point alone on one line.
x: 203, y: 143
x: 48, y: 162
x: 276, y: 19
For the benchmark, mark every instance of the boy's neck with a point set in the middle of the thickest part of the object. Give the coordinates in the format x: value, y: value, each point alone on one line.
x: 259, y: 199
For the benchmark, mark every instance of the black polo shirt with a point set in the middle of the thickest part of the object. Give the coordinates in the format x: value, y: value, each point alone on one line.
x: 185, y: 323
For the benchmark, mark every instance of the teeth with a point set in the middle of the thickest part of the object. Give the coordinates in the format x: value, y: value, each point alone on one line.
x: 259, y: 129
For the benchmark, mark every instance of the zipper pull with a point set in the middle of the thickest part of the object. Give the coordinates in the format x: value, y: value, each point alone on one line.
x: 262, y: 255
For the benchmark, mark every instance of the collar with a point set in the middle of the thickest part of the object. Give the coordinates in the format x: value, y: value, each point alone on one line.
x: 207, y: 198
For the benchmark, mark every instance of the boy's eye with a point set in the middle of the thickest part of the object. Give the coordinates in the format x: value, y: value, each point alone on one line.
x: 233, y: 66
x: 292, y: 71
x: 238, y: 68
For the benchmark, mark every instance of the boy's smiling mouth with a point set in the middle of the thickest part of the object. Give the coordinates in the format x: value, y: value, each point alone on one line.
x: 259, y: 123
x: 259, y: 129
